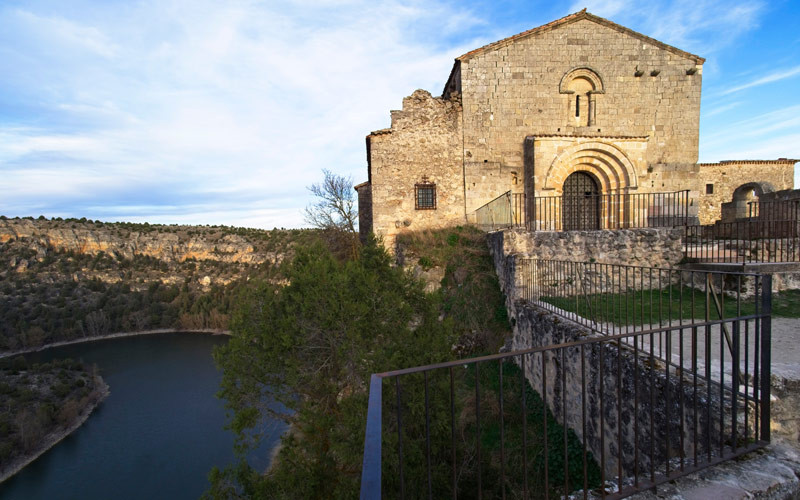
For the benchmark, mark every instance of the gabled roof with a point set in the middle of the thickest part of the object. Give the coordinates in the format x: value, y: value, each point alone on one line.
x: 578, y: 16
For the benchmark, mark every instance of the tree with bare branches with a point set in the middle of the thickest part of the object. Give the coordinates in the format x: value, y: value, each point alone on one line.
x: 334, y: 211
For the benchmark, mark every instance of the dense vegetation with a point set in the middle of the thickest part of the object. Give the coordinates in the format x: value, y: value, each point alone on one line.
x: 49, y: 295
x: 38, y: 399
x: 308, y: 332
x: 470, y: 294
x: 313, y: 344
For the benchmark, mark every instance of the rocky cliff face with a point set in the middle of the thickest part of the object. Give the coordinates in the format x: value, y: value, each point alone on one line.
x: 64, y: 279
x: 171, y: 244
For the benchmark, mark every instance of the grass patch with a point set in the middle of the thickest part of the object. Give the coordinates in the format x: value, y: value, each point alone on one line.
x: 674, y: 303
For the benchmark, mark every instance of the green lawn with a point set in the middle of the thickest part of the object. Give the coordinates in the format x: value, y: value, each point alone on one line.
x: 647, y: 306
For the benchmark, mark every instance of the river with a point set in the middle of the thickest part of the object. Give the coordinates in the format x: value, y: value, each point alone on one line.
x: 158, y: 433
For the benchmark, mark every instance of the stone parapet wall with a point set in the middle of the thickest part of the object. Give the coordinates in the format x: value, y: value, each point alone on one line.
x: 604, y: 391
x: 660, y: 247
x: 626, y: 395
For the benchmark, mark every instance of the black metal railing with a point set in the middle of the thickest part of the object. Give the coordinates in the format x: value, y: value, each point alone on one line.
x: 756, y: 240
x: 615, y: 413
x: 585, y: 212
x: 774, y: 210
x: 609, y: 298
x: 505, y: 211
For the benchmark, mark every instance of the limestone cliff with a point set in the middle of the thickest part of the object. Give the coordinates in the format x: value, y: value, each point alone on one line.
x: 65, y: 279
x: 167, y: 243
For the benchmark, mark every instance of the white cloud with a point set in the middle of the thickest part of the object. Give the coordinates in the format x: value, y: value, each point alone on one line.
x: 64, y: 34
x: 772, y: 77
x: 699, y: 26
x: 721, y: 109
x: 767, y: 136
x: 236, y: 102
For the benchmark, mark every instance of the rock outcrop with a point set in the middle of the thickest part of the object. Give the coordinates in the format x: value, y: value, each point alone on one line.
x: 171, y: 244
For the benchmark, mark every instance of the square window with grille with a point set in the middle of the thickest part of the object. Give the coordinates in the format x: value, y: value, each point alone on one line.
x: 425, y: 196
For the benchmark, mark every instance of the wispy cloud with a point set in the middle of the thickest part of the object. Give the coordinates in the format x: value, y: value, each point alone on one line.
x: 237, y: 104
x: 721, y: 109
x: 701, y: 26
x: 768, y: 135
x: 772, y: 77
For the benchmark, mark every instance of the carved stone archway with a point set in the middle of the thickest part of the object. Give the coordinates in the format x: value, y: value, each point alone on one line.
x: 610, y: 166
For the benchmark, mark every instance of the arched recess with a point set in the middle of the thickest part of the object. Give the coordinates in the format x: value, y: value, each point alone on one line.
x: 580, y: 75
x: 581, y: 85
x: 739, y: 206
x: 751, y: 191
x: 610, y: 166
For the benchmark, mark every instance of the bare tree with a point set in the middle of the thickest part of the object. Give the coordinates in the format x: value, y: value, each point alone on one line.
x: 335, y: 204
x: 334, y: 211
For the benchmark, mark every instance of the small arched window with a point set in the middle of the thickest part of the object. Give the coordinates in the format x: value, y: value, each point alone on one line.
x: 584, y: 84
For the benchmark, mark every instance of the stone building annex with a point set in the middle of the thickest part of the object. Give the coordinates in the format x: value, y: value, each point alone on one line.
x: 577, y: 106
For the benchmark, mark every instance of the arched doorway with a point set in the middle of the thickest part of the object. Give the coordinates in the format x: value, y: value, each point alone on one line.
x: 580, y: 202
x: 742, y: 206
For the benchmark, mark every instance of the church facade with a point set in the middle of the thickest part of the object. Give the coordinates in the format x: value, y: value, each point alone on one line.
x: 580, y: 104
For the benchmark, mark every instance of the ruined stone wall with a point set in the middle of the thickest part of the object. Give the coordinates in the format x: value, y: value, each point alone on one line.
x: 514, y: 91
x: 725, y: 177
x: 364, y: 191
x: 424, y: 143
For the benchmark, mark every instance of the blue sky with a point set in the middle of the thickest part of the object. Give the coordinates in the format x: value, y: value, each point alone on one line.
x: 223, y: 112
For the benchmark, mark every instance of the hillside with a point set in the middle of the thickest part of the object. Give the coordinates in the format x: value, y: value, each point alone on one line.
x: 40, y: 404
x: 65, y: 279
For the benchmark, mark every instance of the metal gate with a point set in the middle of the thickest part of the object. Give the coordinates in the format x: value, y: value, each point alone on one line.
x: 581, y: 203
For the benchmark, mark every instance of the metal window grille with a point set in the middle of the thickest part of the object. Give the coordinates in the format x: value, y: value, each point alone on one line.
x: 425, y: 196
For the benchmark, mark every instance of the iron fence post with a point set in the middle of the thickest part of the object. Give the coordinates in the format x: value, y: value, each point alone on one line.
x: 766, y: 354
x: 371, y: 467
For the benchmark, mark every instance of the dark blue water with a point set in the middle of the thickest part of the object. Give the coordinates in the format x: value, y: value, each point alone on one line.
x: 156, y: 436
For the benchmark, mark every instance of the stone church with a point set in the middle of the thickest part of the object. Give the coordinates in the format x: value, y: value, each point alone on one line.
x: 580, y: 103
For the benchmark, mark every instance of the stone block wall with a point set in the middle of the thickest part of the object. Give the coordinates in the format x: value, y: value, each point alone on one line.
x: 486, y: 181
x: 364, y: 191
x: 613, y: 397
x: 605, y: 391
x: 660, y: 247
x: 423, y: 145
x: 514, y: 90
x: 727, y: 176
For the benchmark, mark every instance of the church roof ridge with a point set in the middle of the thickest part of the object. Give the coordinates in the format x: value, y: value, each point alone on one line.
x: 571, y: 18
